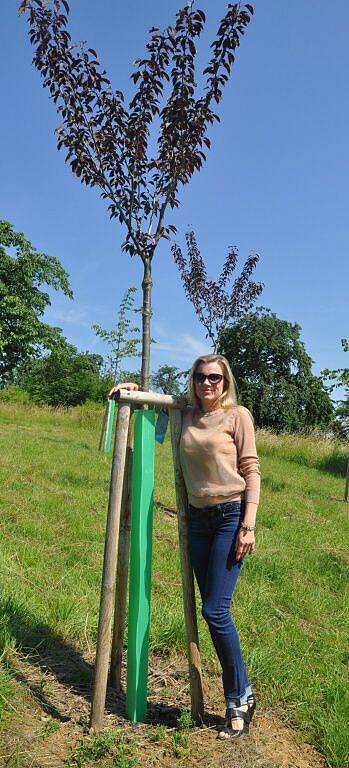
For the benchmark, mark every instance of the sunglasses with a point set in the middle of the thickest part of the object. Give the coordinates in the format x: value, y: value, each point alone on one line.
x: 213, y: 378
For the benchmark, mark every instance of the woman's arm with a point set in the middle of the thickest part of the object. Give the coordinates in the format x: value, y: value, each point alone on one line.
x: 248, y: 463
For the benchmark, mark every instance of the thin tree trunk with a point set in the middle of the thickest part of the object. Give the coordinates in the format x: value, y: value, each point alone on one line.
x: 147, y: 284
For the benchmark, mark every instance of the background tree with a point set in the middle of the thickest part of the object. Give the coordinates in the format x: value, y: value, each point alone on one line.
x: 23, y: 334
x: 168, y: 379
x: 107, y: 144
x: 273, y: 373
x: 65, y: 377
x: 340, y: 378
x: 215, y: 303
x: 123, y: 344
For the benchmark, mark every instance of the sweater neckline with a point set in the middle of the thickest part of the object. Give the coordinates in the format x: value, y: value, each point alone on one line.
x: 205, y: 414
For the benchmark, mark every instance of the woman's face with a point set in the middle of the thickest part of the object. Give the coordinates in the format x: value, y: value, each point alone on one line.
x: 208, y: 391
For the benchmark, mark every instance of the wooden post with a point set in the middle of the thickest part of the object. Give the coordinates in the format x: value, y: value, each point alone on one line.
x: 346, y: 492
x: 122, y: 569
x: 196, y: 691
x: 109, y: 567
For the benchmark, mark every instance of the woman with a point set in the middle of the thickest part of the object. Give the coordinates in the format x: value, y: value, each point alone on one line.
x: 221, y: 472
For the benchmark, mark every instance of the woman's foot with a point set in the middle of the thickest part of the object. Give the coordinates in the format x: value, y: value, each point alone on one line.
x: 237, y: 722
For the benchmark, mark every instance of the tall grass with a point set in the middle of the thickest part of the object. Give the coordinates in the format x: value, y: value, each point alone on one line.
x: 291, y: 604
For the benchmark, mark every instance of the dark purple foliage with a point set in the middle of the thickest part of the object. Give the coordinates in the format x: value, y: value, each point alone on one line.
x: 216, y: 304
x: 106, y: 142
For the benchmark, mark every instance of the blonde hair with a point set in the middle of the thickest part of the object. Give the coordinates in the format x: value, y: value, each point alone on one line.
x: 229, y: 397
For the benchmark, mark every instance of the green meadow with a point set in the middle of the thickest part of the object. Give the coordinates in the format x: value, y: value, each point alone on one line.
x: 291, y: 604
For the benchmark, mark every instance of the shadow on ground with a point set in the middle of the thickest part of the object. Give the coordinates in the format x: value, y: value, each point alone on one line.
x: 48, y: 654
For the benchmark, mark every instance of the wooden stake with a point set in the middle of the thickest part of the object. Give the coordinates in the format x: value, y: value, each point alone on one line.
x: 109, y: 567
x: 122, y: 568
x: 346, y: 492
x: 196, y: 691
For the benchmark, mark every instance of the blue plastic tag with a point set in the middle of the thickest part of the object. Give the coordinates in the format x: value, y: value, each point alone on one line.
x: 161, y: 426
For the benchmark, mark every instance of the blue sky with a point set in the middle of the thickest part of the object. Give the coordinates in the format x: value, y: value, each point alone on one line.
x: 275, y: 182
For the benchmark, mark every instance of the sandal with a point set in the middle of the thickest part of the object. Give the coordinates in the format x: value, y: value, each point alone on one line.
x: 233, y: 713
x: 251, y: 701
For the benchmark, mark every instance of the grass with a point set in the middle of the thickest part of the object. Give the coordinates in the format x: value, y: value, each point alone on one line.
x: 109, y: 744
x: 291, y: 604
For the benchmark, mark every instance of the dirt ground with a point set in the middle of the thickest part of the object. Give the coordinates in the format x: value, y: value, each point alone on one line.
x: 51, y: 713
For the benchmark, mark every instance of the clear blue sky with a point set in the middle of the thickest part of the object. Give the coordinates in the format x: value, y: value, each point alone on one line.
x: 276, y: 179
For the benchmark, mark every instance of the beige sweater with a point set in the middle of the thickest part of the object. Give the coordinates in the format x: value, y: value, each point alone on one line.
x: 218, y: 456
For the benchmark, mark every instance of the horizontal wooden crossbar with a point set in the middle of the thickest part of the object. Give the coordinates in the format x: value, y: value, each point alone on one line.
x: 135, y: 397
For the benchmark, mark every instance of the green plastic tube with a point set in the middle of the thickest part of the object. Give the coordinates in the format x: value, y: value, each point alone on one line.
x: 140, y: 565
x: 110, y: 424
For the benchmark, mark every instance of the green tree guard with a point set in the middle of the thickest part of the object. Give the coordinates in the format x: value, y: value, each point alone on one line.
x: 110, y: 423
x: 140, y: 565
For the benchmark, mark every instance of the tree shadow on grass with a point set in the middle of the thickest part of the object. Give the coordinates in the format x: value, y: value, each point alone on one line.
x: 335, y: 463
x: 43, y: 653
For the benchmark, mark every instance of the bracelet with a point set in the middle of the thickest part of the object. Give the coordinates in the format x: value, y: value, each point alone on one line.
x: 247, y: 527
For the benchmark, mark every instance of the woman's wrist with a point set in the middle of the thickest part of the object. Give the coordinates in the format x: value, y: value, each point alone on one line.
x: 246, y: 527
x: 250, y: 513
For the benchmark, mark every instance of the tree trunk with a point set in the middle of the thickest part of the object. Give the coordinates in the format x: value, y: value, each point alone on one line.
x: 147, y: 284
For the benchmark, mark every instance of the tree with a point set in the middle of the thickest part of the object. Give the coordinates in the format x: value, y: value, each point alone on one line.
x: 23, y: 302
x: 168, y: 379
x: 107, y: 144
x: 273, y: 373
x: 215, y: 304
x: 340, y: 378
x: 65, y: 377
x: 122, y: 344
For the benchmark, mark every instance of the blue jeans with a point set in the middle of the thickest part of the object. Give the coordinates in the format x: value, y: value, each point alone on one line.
x: 212, y: 536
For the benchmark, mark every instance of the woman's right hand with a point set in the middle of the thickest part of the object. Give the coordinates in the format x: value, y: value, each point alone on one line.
x: 130, y: 385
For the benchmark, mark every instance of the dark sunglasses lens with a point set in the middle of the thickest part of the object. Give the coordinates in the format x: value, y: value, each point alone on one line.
x: 214, y: 378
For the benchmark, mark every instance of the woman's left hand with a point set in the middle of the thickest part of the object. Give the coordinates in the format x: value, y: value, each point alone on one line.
x: 245, y: 543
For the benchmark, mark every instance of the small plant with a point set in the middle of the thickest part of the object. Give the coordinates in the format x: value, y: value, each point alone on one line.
x: 51, y: 726
x: 159, y: 733
x: 125, y: 339
x: 180, y: 737
x: 93, y: 749
x: 185, y: 720
x: 122, y: 759
x: 101, y: 746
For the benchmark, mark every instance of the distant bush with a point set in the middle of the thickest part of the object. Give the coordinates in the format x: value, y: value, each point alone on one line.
x: 65, y: 377
x: 14, y: 394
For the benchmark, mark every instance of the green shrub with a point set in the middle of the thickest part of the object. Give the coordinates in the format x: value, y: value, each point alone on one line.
x: 14, y: 394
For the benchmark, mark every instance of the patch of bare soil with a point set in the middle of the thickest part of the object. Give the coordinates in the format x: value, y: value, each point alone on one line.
x: 51, y: 719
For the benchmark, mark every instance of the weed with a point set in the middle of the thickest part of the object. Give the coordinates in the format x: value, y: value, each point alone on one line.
x: 51, y: 726
x: 101, y: 746
x: 159, y: 733
x: 122, y: 759
x: 93, y: 748
x: 185, y: 720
